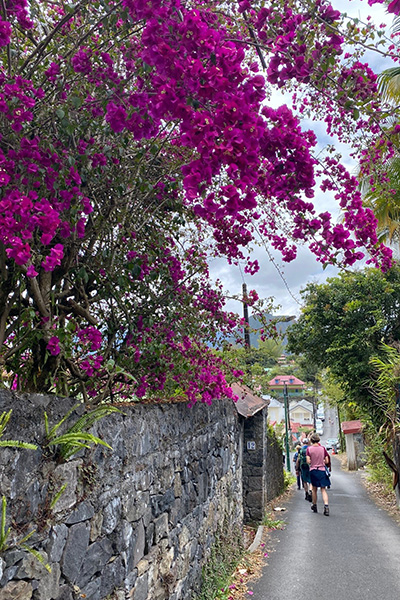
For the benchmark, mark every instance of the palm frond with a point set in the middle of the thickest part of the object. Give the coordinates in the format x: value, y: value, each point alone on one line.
x: 386, y: 384
x: 396, y: 25
x: 389, y: 84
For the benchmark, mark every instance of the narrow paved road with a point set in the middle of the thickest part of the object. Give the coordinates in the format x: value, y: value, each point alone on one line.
x: 354, y: 553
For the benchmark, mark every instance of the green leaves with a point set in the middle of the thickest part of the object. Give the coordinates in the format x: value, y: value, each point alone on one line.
x: 76, y: 437
x: 385, y: 383
x: 70, y: 443
x: 342, y: 326
x: 76, y: 101
x: 4, y: 419
x: 4, y: 533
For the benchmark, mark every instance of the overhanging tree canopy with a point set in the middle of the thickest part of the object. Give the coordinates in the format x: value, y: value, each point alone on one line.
x: 136, y: 140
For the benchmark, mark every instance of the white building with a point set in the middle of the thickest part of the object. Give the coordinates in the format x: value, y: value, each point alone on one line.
x: 301, y: 412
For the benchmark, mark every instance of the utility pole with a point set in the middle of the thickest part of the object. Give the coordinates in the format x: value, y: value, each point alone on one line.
x: 246, y: 318
x: 315, y: 402
x: 340, y: 434
x: 286, y: 406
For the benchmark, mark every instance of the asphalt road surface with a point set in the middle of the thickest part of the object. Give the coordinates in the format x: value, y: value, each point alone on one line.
x: 353, y: 554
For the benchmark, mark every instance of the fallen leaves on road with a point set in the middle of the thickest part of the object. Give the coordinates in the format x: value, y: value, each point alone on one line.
x: 376, y: 491
x: 250, y: 567
x: 380, y: 496
x: 248, y: 570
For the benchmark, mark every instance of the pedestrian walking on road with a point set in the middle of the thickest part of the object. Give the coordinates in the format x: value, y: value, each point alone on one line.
x: 302, y: 466
x: 296, y: 468
x: 317, y: 459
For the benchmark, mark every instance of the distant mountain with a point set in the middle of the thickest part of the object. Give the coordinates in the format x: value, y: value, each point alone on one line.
x: 283, y: 322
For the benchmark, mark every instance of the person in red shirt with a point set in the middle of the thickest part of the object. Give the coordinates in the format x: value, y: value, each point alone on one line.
x: 317, y: 459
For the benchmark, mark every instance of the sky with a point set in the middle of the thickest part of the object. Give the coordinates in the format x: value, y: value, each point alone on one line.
x: 276, y: 279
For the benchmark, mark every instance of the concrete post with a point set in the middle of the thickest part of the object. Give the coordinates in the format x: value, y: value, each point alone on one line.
x: 351, y: 452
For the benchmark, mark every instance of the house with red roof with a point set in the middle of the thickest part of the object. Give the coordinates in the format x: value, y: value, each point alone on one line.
x: 294, y: 386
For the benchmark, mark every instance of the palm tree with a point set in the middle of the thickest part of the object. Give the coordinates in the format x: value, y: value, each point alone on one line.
x: 385, y: 204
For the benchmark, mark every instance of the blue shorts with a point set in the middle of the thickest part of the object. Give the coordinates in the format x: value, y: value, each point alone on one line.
x: 319, y: 478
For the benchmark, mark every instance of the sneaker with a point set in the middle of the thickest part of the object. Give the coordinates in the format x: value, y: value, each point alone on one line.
x: 326, y: 510
x: 309, y: 497
x: 314, y: 508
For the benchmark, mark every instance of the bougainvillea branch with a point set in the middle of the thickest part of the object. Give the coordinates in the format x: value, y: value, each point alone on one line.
x: 136, y: 142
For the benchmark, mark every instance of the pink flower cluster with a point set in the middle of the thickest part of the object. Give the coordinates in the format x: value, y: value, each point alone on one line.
x: 17, y: 9
x: 90, y: 335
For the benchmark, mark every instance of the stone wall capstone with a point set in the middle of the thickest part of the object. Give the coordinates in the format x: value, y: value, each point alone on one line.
x: 135, y: 522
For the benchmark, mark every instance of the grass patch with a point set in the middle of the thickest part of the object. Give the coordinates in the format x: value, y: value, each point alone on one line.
x: 288, y: 480
x: 217, y: 576
x: 271, y: 523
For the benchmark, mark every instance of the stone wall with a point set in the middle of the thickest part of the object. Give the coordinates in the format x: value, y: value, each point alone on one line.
x: 262, y: 467
x: 254, y: 472
x: 274, y: 468
x: 135, y: 522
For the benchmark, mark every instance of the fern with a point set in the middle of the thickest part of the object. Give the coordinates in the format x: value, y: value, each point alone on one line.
x: 77, y: 436
x: 3, y: 532
x: 51, y: 433
x: 21, y: 543
x: 72, y: 442
x: 37, y: 555
x: 27, y: 536
x: 58, y: 496
x: 88, y: 419
x: 17, y: 444
x: 4, y: 418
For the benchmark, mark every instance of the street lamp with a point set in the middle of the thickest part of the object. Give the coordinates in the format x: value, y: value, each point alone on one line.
x: 286, y: 406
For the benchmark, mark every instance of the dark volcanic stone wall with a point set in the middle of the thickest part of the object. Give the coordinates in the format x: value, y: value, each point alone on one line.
x: 135, y: 522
